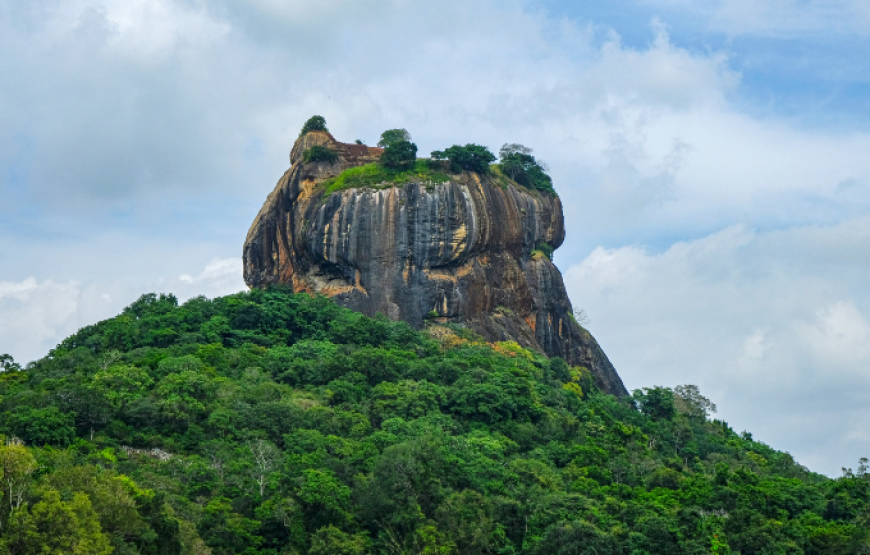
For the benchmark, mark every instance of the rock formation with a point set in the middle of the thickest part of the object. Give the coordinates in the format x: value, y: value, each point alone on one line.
x: 461, y: 251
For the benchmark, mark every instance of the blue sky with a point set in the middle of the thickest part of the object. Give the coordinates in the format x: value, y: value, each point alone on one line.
x: 817, y: 77
x: 711, y: 157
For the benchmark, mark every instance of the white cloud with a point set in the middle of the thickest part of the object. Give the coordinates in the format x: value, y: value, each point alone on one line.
x: 32, y: 314
x: 837, y: 338
x: 37, y: 315
x: 217, y: 268
x: 221, y: 276
x: 773, y: 326
x: 211, y: 99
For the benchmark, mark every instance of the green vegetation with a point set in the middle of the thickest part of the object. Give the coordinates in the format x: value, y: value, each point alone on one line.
x: 375, y: 176
x: 62, y: 501
x: 399, y: 157
x: 471, y: 157
x: 314, y: 123
x: 318, y: 153
x: 399, y: 165
x: 544, y: 249
x: 518, y: 164
x: 392, y: 137
x: 273, y: 423
x: 400, y: 154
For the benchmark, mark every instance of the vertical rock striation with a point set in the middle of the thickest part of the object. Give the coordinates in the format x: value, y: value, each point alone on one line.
x: 463, y: 249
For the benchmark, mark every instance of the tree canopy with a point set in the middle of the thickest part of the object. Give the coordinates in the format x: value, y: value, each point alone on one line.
x: 400, y: 154
x: 518, y: 163
x: 394, y: 136
x: 319, y: 153
x: 271, y: 423
x: 471, y: 157
x: 314, y: 123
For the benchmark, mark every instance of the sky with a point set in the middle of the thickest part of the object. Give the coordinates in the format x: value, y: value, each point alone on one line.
x: 712, y: 157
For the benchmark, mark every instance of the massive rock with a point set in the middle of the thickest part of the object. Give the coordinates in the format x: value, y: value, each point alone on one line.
x: 464, y: 249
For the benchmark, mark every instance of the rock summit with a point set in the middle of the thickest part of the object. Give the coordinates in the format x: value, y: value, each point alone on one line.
x: 471, y: 249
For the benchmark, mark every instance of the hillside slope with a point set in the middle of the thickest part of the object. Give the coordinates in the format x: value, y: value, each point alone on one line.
x: 270, y: 422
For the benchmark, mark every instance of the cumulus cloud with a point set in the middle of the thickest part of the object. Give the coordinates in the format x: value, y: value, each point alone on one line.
x: 36, y: 315
x: 136, y: 107
x: 32, y: 314
x: 221, y: 276
x: 118, y: 100
x: 772, y: 325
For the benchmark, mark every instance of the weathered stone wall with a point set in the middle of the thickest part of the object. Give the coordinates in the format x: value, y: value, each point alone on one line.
x: 461, y: 248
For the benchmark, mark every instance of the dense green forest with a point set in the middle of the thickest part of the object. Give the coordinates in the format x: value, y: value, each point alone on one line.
x: 274, y: 423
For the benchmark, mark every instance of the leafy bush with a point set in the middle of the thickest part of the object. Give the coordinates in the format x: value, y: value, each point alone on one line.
x: 314, y: 123
x: 394, y: 136
x: 41, y: 426
x: 545, y: 249
x: 8, y: 364
x: 400, y: 154
x: 318, y: 153
x: 518, y: 163
x: 399, y: 157
x: 471, y: 157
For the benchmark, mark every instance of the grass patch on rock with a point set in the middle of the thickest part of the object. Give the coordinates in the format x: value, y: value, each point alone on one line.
x: 374, y: 176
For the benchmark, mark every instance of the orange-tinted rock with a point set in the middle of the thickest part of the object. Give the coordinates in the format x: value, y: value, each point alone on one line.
x: 462, y: 249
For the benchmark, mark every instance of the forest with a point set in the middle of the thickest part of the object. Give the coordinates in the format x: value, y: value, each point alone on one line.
x: 269, y: 422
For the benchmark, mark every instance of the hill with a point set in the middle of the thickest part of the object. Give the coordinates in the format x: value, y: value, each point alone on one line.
x: 271, y: 422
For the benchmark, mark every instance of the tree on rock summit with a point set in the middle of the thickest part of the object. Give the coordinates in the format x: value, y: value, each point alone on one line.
x: 314, y: 123
x: 400, y: 153
x: 471, y: 157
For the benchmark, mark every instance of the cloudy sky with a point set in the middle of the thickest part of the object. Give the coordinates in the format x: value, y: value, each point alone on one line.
x: 713, y: 157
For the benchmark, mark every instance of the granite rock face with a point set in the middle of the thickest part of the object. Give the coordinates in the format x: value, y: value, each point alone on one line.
x: 463, y: 249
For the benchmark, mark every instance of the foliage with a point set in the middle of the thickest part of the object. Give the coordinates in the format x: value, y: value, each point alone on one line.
x: 689, y: 401
x: 8, y: 364
x: 314, y: 123
x: 86, y: 510
x: 319, y: 153
x: 269, y: 422
x: 53, y: 526
x: 392, y: 137
x: 581, y: 317
x: 545, y: 249
x: 376, y: 176
x: 471, y: 157
x: 518, y: 163
x: 400, y: 154
x: 399, y: 157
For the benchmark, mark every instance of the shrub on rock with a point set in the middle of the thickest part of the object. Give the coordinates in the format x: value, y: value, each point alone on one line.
x: 471, y: 157
x: 314, y: 123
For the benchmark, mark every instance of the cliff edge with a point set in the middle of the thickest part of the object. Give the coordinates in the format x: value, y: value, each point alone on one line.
x: 465, y: 250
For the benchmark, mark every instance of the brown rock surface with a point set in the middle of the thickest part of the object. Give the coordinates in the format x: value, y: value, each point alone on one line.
x: 461, y: 248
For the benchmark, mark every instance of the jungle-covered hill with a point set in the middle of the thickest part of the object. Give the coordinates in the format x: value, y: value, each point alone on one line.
x: 269, y: 422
